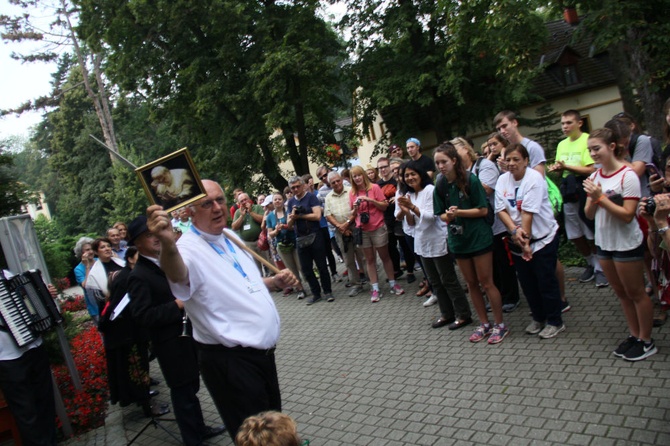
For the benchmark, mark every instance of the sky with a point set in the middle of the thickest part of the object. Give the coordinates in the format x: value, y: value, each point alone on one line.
x: 22, y: 82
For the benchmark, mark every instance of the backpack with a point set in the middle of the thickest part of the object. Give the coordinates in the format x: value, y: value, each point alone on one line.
x: 657, y: 150
x: 555, y: 197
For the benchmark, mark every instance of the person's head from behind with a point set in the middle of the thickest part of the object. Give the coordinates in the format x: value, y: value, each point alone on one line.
x: 621, y: 132
x: 268, y: 429
x: 628, y: 120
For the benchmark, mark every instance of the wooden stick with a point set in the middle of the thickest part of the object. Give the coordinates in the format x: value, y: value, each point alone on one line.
x: 264, y: 261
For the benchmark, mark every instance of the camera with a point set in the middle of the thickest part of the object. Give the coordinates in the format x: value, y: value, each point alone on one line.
x: 299, y: 210
x: 650, y: 206
x: 455, y: 229
x: 365, y: 217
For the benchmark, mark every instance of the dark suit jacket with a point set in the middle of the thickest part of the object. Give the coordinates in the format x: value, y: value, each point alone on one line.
x: 153, y: 306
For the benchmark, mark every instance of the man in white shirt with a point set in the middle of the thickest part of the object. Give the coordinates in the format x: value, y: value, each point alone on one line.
x: 235, y: 321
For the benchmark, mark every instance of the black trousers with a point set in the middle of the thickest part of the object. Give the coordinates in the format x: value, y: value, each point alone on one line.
x: 26, y: 383
x: 315, y: 254
x: 410, y: 258
x: 242, y: 382
x: 188, y: 413
x: 504, y: 274
x: 329, y: 251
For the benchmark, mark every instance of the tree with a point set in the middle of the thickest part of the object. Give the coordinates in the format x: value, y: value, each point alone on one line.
x: 13, y: 193
x: 61, y: 34
x: 637, y: 34
x: 246, y: 83
x: 441, y: 65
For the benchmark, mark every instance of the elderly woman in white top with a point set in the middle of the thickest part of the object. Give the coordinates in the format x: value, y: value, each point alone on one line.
x: 430, y: 242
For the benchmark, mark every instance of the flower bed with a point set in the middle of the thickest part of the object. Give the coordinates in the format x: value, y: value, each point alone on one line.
x: 86, y: 408
x: 73, y: 304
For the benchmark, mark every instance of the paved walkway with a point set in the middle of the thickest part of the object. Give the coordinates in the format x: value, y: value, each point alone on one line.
x: 356, y: 373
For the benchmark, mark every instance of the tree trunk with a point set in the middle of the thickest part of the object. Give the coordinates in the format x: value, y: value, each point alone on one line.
x: 271, y: 168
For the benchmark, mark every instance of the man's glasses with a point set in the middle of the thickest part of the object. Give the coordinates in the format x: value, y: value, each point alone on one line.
x: 322, y: 177
x: 296, y: 187
x: 209, y: 203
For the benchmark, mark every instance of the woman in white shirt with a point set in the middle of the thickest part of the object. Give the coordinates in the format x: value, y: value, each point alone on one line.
x: 522, y: 204
x: 613, y: 194
x: 430, y: 242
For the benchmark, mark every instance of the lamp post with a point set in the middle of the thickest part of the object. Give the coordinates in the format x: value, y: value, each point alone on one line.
x: 339, y: 138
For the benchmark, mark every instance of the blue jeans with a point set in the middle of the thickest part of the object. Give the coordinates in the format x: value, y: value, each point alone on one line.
x: 540, y: 285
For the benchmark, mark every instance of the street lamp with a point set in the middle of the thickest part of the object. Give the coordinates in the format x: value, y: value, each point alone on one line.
x: 339, y: 138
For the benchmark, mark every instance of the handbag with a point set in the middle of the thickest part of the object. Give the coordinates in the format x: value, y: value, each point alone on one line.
x: 305, y: 241
x: 262, y: 241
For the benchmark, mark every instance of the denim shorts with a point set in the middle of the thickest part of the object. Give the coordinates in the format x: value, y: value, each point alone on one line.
x: 633, y: 255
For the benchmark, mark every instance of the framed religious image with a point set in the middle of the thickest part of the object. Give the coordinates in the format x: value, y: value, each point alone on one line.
x: 171, y: 181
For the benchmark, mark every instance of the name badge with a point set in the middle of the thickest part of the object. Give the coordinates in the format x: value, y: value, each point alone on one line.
x: 246, y: 227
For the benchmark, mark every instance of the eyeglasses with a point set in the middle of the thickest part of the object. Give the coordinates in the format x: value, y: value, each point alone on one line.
x: 209, y: 203
x: 323, y: 176
x: 297, y: 186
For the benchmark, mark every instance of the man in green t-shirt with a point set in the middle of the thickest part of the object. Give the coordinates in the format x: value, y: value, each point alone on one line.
x: 247, y: 223
x: 574, y: 163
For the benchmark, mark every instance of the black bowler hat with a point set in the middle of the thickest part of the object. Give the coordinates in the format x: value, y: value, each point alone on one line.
x: 136, y: 228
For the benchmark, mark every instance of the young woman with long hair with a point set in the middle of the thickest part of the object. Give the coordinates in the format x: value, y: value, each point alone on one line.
x: 368, y: 203
x: 430, y: 243
x: 462, y: 203
x: 613, y: 194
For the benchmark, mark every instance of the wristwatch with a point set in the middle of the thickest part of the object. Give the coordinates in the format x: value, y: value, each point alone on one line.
x: 662, y: 230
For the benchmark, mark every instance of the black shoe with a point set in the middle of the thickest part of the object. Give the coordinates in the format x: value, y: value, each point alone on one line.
x: 441, y: 322
x: 213, y: 431
x: 153, y: 393
x: 411, y: 278
x: 313, y: 300
x: 154, y: 382
x: 398, y: 274
x: 157, y: 410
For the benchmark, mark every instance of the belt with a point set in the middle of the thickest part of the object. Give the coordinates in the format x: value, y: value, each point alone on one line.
x: 237, y: 349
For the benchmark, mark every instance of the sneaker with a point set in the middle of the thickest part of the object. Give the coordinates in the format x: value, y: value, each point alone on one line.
x: 329, y: 297
x: 301, y: 294
x: 550, y: 331
x: 375, y: 296
x: 640, y: 350
x: 534, y: 327
x: 313, y: 300
x: 340, y: 259
x: 355, y: 290
x: 336, y: 278
x: 498, y: 334
x: 508, y: 308
x: 601, y: 280
x: 588, y: 274
x: 432, y: 300
x: 625, y: 346
x: 397, y: 290
x: 480, y: 333
x: 565, y: 306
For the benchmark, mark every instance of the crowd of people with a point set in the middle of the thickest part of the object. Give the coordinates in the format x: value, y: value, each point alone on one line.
x: 186, y: 289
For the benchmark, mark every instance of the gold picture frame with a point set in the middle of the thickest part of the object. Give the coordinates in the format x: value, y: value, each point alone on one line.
x: 172, y: 181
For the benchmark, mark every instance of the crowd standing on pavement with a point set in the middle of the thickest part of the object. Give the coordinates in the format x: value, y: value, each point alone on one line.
x: 204, y: 301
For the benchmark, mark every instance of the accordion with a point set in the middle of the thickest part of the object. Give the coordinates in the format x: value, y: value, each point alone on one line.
x: 26, y: 307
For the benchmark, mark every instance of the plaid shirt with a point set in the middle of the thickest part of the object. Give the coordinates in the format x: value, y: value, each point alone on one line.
x: 338, y: 205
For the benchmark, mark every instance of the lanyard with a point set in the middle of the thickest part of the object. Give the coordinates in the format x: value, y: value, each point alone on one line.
x: 231, y: 258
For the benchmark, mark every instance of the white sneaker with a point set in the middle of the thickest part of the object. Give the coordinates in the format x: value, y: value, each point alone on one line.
x: 550, y: 331
x: 534, y: 327
x: 432, y: 300
x: 336, y: 278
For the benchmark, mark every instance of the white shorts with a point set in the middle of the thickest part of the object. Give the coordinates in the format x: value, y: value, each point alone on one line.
x: 574, y: 225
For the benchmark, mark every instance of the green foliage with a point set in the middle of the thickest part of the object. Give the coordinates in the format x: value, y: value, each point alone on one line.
x: 56, y: 247
x: 13, y: 193
x: 568, y: 254
x: 546, y: 119
x: 442, y: 65
x: 227, y: 75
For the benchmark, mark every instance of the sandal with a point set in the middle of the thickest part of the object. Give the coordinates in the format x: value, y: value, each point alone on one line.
x: 459, y: 323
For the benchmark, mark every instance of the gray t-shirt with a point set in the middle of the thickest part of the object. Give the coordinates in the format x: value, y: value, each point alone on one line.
x: 645, y: 153
x: 488, y: 174
x: 535, y: 152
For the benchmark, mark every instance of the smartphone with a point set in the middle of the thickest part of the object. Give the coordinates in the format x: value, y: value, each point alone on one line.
x: 652, y: 170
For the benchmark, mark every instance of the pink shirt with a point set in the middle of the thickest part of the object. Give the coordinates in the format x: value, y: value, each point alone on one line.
x: 376, y: 216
